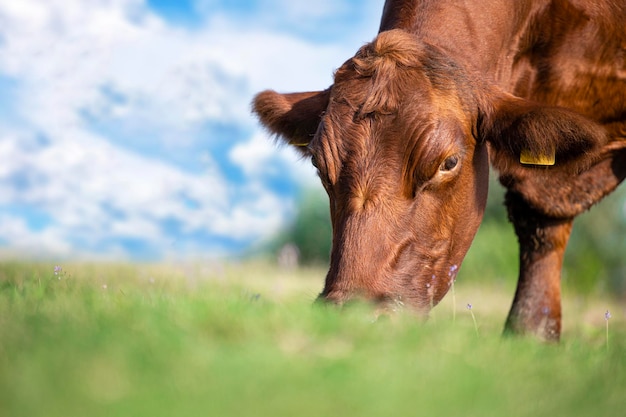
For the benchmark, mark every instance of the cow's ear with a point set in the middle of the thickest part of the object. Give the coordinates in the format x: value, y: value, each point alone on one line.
x: 548, y: 155
x: 293, y: 117
x: 525, y: 134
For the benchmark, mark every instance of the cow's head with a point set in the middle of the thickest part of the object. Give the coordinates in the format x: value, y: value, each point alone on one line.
x: 400, y: 141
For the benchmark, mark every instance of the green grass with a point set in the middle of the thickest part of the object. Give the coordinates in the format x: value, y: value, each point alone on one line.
x: 244, y: 340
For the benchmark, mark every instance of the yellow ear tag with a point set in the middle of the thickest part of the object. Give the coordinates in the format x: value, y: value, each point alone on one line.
x: 528, y: 158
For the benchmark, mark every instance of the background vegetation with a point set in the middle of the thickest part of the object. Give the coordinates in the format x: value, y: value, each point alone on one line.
x: 595, y: 259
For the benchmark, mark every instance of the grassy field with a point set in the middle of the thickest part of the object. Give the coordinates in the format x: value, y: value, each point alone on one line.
x: 243, y: 340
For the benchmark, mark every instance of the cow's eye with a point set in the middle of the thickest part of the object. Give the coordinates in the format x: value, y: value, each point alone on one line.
x: 314, y: 161
x: 449, y: 164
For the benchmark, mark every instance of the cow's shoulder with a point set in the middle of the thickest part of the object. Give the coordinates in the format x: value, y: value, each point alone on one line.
x: 574, y: 55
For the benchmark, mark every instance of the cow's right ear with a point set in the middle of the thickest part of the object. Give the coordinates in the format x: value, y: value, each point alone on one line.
x: 523, y: 134
x: 559, y: 161
x: 293, y: 117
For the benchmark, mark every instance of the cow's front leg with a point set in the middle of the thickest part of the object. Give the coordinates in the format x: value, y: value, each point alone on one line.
x: 536, y: 308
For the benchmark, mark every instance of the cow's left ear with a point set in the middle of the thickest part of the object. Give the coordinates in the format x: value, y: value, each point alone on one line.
x: 551, y: 156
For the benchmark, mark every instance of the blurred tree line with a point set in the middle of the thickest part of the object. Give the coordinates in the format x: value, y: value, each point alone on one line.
x: 595, y: 259
x: 310, y: 231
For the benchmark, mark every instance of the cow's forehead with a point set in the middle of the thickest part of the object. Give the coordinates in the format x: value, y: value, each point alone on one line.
x: 413, y: 111
x: 424, y: 85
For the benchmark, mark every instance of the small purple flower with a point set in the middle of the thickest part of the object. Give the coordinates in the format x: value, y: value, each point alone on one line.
x: 57, y: 270
x: 453, y: 270
x: 607, y: 315
x: 469, y: 308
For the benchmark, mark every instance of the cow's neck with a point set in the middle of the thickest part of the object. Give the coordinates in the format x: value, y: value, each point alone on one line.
x: 483, y: 34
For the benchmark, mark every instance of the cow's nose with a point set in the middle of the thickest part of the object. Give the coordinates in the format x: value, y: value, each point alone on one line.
x: 337, y: 298
x: 381, y: 302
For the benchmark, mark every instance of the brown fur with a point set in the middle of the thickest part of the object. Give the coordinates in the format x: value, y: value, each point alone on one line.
x: 401, y: 138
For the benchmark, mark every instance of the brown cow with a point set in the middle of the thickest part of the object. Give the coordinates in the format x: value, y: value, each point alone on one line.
x: 403, y: 138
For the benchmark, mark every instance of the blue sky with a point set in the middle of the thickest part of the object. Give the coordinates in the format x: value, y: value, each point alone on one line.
x: 125, y: 125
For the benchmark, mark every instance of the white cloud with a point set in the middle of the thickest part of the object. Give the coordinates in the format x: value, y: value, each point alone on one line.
x: 261, y: 155
x: 255, y: 156
x: 22, y: 239
x: 122, y: 65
